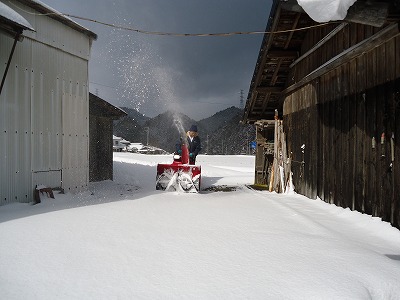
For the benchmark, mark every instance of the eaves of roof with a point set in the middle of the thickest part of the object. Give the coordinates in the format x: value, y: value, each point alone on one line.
x: 12, y: 22
x: 280, y: 49
x: 52, y: 13
x: 104, y: 108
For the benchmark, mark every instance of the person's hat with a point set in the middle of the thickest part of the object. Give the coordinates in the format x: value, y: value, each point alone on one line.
x: 193, y: 128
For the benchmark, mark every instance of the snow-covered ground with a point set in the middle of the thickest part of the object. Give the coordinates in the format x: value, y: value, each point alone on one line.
x: 126, y: 240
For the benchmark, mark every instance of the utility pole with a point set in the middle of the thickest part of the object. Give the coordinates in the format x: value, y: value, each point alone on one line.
x: 248, y: 143
x: 148, y: 131
x: 241, y: 104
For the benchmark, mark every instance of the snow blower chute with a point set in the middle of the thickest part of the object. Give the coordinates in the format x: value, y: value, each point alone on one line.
x: 179, y: 176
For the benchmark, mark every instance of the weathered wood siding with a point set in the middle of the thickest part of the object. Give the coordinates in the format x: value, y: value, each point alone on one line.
x: 100, y: 149
x: 338, y: 117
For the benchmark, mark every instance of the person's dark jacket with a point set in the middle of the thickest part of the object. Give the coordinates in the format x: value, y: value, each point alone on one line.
x: 194, y: 147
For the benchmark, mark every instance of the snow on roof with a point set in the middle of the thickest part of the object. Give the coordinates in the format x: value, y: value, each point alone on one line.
x: 54, y: 14
x: 326, y: 10
x: 12, y: 16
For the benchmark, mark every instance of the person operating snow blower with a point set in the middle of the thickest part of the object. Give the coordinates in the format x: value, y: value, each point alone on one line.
x: 182, y: 174
x: 193, y: 143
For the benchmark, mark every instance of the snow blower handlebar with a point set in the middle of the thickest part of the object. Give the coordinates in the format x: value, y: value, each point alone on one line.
x: 185, y: 154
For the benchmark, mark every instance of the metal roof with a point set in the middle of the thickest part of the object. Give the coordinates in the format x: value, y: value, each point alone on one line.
x: 54, y: 14
x: 11, y: 21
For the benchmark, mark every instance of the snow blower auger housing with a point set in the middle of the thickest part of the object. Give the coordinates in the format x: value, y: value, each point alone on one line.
x: 179, y: 176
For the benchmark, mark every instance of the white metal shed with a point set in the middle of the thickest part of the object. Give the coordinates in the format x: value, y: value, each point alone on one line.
x: 44, y: 104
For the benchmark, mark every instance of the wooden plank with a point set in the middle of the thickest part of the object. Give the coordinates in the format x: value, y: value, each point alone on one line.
x: 390, y: 60
x: 337, y: 139
x: 345, y: 128
x: 371, y: 153
x: 318, y: 140
x: 352, y: 77
x: 312, y: 138
x: 380, y: 70
x: 287, y: 54
x: 397, y: 56
x: 325, y: 141
x: 352, y: 148
x: 385, y: 161
x: 390, y: 96
x: 362, y: 67
x: 361, y: 143
x: 371, y: 69
x: 396, y: 165
x: 269, y: 89
x: 331, y: 141
x: 380, y: 163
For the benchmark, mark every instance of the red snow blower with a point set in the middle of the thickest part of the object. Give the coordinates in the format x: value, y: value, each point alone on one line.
x: 179, y: 176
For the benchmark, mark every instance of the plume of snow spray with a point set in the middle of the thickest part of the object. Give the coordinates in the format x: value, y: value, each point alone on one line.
x: 179, y: 126
x: 146, y: 84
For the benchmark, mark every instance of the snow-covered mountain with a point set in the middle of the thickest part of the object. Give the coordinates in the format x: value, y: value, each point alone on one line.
x: 221, y: 133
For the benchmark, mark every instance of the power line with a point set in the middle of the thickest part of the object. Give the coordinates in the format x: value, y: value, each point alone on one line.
x: 113, y: 87
x: 161, y: 33
x: 195, y: 102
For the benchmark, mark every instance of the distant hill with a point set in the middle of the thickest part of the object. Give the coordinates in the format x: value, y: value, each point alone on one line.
x: 231, y: 138
x: 131, y: 126
x: 137, y: 116
x: 221, y: 133
x: 219, y: 119
x: 166, y: 128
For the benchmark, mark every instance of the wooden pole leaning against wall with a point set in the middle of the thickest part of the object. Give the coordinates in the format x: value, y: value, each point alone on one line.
x: 274, y: 182
x: 281, y: 167
x: 275, y: 162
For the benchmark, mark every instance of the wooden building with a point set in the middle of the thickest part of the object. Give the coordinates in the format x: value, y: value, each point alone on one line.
x: 101, y: 117
x: 336, y: 87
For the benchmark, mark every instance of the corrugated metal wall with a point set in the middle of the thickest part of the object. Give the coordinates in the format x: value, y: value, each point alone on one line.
x: 15, y: 119
x: 44, y: 111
